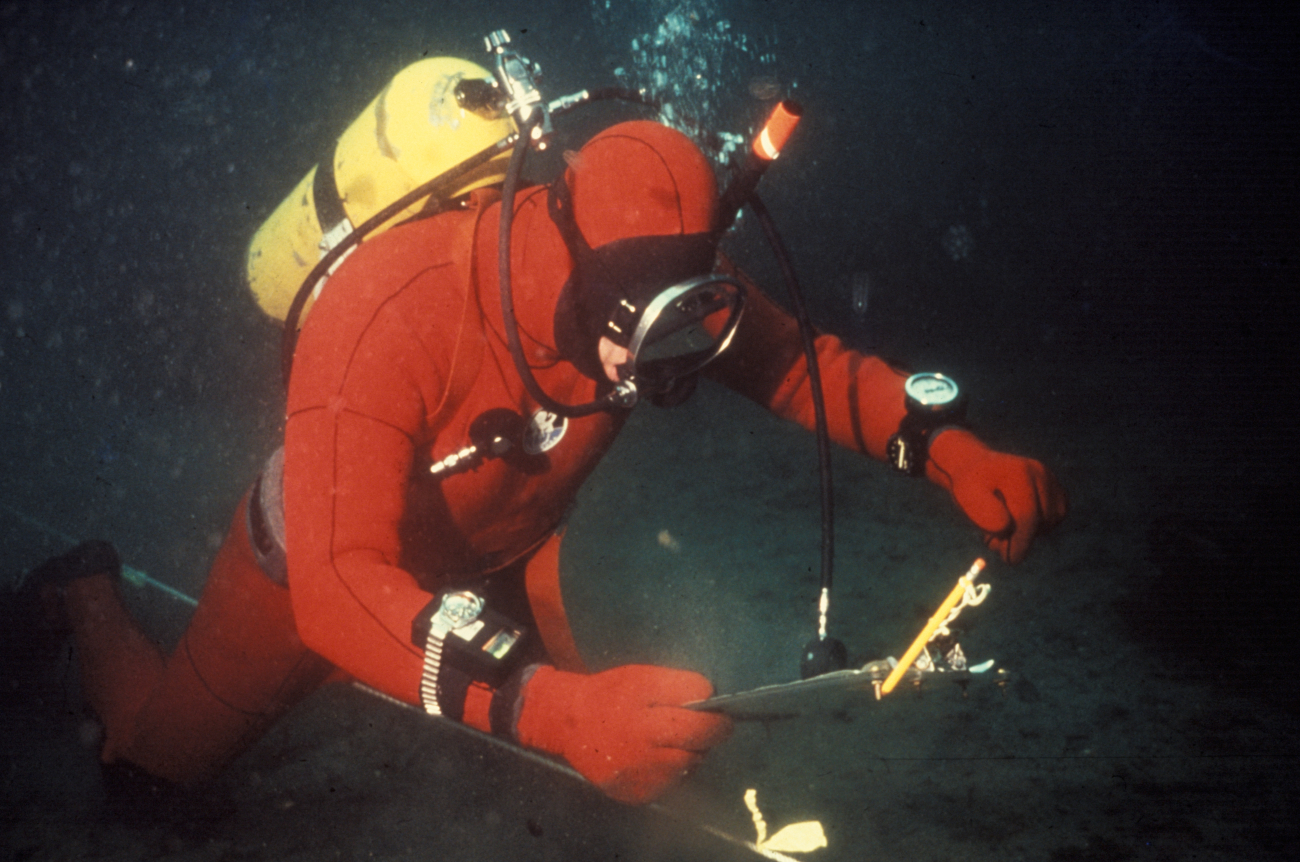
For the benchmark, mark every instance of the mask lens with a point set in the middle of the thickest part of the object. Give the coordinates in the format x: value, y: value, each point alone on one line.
x: 685, y: 327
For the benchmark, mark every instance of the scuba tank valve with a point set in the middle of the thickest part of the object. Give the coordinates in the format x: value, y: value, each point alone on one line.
x: 517, y: 77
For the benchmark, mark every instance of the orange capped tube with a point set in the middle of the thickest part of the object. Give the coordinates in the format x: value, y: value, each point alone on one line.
x: 766, y: 147
x: 777, y: 130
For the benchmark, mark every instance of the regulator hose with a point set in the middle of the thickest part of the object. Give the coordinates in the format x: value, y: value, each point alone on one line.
x: 822, y: 654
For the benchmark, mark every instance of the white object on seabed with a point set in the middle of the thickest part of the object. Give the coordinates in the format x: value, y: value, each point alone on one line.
x: 803, y: 837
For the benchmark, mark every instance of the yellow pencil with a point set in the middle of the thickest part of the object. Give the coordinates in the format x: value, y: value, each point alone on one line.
x: 940, y: 615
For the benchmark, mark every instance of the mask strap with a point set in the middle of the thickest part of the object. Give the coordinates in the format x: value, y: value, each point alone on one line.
x: 587, y: 265
x: 559, y: 204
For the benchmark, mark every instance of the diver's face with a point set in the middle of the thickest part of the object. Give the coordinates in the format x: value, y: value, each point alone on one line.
x: 611, y: 357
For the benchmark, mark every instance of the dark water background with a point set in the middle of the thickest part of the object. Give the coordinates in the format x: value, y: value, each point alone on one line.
x: 1085, y: 211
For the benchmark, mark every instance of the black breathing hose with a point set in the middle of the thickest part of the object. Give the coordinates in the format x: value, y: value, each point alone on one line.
x: 815, y: 383
x: 613, y: 399
x: 506, y: 222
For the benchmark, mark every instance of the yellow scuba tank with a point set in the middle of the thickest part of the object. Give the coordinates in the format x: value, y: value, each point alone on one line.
x: 431, y: 116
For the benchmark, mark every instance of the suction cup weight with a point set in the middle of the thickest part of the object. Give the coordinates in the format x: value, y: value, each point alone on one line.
x: 822, y: 655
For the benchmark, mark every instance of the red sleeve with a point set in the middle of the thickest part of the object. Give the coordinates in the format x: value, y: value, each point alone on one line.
x: 358, y: 401
x: 765, y: 362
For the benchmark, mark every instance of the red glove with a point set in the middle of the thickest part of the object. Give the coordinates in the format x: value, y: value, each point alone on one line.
x: 623, y: 729
x: 1012, y: 499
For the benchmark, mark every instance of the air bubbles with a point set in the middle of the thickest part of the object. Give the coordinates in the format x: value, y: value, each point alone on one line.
x: 694, y: 62
x: 668, y: 542
x: 729, y: 143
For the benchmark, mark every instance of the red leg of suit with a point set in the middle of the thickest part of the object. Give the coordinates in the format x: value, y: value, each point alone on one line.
x: 239, y: 667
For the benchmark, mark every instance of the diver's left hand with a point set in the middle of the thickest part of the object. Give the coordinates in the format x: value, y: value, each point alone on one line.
x: 1012, y: 499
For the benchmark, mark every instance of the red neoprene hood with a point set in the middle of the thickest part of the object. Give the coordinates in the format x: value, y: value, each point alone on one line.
x: 641, y: 179
x: 635, y: 207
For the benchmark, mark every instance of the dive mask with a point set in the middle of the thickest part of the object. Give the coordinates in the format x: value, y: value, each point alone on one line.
x: 654, y: 295
x: 683, y: 329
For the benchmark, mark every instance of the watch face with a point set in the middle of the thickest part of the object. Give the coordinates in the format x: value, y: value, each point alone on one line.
x: 931, y: 389
x: 460, y: 608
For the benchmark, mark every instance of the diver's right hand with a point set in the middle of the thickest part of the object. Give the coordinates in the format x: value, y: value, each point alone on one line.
x: 624, y: 728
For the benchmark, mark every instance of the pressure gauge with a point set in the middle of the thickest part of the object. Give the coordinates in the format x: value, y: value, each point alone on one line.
x: 933, y: 401
x: 931, y: 391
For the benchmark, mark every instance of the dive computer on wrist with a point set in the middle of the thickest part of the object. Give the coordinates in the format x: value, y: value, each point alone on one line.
x: 934, y: 401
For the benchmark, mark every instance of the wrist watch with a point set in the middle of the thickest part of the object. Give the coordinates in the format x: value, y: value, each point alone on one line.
x: 934, y: 401
x: 464, y: 642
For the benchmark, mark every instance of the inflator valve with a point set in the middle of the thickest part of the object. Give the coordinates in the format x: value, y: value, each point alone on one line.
x: 495, y: 434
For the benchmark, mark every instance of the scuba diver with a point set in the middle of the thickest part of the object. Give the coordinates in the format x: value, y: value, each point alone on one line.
x: 408, y: 534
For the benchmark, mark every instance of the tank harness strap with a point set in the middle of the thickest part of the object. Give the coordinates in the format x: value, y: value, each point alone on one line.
x: 325, y: 194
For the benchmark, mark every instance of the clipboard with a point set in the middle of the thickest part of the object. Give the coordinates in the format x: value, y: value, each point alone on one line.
x: 838, y: 689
